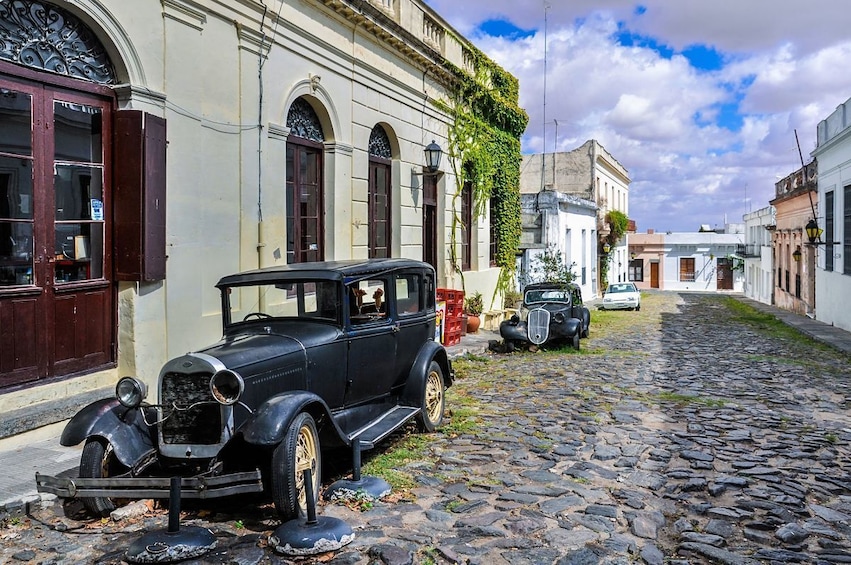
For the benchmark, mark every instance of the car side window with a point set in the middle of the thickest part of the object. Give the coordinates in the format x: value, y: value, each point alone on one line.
x: 367, y: 300
x: 408, y: 295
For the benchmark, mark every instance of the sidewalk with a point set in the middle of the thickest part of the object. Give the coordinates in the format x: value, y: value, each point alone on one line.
x: 22, y: 455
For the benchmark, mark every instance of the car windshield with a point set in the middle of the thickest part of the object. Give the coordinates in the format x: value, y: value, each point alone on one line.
x: 622, y: 288
x: 548, y: 295
x: 305, y: 299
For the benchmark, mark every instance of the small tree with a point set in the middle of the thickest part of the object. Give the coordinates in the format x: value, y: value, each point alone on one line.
x: 550, y: 267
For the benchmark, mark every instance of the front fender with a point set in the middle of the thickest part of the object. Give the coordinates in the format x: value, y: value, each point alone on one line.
x: 124, y: 428
x: 568, y: 328
x: 514, y: 331
x: 415, y: 385
x: 268, y: 425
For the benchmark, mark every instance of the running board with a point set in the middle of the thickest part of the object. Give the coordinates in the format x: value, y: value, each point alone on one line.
x: 388, y: 423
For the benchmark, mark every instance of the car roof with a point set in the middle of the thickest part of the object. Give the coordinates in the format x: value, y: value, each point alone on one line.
x: 323, y: 270
x: 550, y: 286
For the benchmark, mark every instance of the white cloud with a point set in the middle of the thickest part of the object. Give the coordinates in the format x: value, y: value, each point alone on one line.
x: 783, y: 64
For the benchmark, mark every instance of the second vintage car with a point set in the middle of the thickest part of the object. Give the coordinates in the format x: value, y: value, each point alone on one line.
x: 313, y: 356
x: 550, y: 313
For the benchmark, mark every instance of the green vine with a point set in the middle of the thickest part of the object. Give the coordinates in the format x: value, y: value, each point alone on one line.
x: 618, y: 224
x: 484, y: 151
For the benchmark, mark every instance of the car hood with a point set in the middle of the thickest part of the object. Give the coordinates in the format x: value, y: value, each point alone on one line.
x: 250, y: 349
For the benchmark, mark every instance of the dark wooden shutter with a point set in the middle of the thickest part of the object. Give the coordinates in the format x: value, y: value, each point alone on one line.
x: 139, y: 196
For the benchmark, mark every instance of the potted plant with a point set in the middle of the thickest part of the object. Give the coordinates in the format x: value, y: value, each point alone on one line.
x: 473, y: 306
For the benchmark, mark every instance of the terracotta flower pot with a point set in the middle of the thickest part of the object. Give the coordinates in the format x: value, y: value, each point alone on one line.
x: 473, y: 323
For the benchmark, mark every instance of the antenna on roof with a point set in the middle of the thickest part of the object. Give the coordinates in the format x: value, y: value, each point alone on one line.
x: 544, y: 134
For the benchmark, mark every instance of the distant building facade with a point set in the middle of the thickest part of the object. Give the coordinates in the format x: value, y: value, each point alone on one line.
x: 561, y: 222
x: 591, y: 173
x: 794, y: 262
x: 758, y: 254
x: 689, y: 261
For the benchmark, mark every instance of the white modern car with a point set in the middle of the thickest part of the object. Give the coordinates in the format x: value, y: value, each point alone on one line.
x: 620, y: 296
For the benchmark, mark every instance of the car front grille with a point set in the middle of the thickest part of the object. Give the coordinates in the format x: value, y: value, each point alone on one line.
x: 538, y: 325
x: 200, y: 424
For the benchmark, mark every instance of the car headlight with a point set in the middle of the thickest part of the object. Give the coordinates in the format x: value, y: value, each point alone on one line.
x: 226, y: 386
x: 130, y: 392
x: 558, y: 318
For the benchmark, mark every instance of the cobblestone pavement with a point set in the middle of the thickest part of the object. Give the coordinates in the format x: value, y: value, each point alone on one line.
x: 690, y: 434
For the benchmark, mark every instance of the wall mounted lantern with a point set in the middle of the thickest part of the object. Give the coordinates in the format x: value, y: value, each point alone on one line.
x: 606, y: 248
x: 632, y: 255
x: 796, y: 255
x: 433, y: 153
x: 813, y: 232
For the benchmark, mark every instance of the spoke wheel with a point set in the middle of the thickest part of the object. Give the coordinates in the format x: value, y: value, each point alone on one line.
x: 98, y: 461
x: 434, y: 399
x: 298, y: 451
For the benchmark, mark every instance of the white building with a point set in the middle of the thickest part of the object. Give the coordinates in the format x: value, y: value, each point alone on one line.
x: 833, y: 252
x: 757, y: 254
x: 562, y: 222
x: 702, y: 261
x: 591, y: 173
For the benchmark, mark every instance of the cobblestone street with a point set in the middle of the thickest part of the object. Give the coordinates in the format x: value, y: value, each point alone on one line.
x: 692, y: 433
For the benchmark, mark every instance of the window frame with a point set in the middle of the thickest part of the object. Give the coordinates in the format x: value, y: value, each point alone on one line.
x: 684, y: 271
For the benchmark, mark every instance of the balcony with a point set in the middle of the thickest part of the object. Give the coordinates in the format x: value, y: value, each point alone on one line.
x: 749, y: 250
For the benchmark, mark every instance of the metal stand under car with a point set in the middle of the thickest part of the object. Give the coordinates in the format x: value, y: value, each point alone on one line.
x: 175, y: 544
x: 371, y: 487
x: 313, y: 536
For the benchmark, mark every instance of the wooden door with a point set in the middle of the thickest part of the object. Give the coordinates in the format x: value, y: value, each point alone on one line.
x: 725, y: 274
x: 654, y: 274
x: 57, y: 300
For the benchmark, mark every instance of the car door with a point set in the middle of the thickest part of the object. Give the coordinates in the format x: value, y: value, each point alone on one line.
x: 415, y: 325
x: 372, y: 341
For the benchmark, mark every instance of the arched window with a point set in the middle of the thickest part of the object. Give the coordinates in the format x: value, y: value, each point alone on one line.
x: 46, y: 37
x: 380, y: 225
x: 305, y: 210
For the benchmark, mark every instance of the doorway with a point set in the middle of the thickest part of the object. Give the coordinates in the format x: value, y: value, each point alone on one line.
x: 57, y: 300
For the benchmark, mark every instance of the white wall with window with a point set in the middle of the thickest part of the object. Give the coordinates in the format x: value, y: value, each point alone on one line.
x: 702, y: 261
x: 833, y: 259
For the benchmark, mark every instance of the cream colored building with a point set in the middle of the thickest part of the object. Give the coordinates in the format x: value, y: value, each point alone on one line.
x: 592, y: 173
x: 265, y: 133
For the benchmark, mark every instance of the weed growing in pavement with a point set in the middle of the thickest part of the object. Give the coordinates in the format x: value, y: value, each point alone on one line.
x: 677, y: 398
x: 831, y: 438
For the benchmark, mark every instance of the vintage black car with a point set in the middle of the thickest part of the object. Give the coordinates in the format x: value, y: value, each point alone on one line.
x: 313, y: 356
x: 550, y: 313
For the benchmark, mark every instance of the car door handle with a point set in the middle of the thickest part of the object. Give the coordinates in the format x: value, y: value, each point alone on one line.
x: 396, y: 328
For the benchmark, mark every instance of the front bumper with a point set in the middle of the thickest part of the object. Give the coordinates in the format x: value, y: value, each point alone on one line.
x: 151, y: 487
x: 625, y: 305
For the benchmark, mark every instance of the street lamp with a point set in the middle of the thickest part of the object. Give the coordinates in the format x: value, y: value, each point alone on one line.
x: 796, y: 255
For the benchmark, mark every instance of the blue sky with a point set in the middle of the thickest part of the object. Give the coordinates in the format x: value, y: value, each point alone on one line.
x: 699, y: 100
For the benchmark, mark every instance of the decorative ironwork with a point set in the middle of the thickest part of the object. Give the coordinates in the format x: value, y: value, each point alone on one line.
x: 379, y: 143
x: 303, y: 121
x: 43, y: 36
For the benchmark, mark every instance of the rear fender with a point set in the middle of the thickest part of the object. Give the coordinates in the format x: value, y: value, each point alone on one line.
x: 415, y: 385
x: 123, y: 428
x: 268, y: 425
